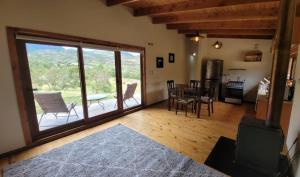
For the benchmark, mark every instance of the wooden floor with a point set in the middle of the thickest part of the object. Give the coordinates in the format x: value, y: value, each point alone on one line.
x: 191, y: 136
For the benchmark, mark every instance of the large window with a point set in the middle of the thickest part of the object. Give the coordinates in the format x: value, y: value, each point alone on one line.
x: 55, y: 79
x: 100, y: 79
x: 131, y: 78
x: 68, y: 83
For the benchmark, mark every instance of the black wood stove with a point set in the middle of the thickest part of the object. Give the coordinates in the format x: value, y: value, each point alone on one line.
x: 258, y: 146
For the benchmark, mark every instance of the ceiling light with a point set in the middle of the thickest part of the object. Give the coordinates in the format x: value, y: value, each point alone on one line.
x: 217, y: 45
x: 197, y: 37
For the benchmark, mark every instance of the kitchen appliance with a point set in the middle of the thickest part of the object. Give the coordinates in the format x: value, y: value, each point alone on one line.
x: 234, y: 92
x: 212, y: 70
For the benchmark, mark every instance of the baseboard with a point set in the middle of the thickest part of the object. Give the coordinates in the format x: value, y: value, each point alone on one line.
x: 156, y: 103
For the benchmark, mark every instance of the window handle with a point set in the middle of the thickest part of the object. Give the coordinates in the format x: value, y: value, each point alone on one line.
x: 32, y: 89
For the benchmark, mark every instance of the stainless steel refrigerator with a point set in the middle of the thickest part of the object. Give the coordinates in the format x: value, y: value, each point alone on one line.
x: 212, y: 71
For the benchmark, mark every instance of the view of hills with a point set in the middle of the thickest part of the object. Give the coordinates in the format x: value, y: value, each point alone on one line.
x: 55, y: 68
x: 69, y: 55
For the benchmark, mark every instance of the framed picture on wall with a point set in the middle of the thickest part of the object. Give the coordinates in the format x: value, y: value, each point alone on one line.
x: 159, y: 62
x: 171, y: 58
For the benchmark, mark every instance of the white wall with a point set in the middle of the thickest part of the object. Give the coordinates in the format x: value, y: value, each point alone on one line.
x: 232, y: 53
x: 192, y: 58
x: 294, y: 126
x: 90, y: 19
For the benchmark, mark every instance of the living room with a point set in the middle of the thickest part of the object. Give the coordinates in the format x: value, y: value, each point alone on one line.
x: 107, y: 63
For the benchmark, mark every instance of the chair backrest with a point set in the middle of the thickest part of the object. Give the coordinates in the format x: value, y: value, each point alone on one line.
x: 211, y: 87
x: 195, y: 84
x: 179, y: 92
x: 130, y: 91
x: 170, y: 84
x: 51, y: 102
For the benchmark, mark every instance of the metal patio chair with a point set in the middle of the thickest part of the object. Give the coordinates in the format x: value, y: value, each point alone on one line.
x: 129, y: 94
x: 54, y: 103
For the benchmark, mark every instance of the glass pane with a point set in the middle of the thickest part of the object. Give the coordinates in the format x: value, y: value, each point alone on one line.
x: 55, y: 79
x: 100, y: 74
x: 131, y: 78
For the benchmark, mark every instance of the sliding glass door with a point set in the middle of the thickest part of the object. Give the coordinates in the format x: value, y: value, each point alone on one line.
x: 57, y: 88
x: 131, y: 79
x: 70, y: 84
x: 55, y: 83
x: 100, y: 81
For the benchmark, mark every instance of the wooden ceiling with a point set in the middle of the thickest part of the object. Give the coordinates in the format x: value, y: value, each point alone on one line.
x: 216, y: 18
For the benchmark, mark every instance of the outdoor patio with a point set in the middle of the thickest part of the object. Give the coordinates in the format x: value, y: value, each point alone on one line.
x: 105, y: 106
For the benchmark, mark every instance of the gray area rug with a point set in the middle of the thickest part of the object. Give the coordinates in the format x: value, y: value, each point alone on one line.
x: 114, y: 152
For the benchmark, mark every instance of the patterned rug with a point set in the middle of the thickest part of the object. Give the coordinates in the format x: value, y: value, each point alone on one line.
x: 114, y: 152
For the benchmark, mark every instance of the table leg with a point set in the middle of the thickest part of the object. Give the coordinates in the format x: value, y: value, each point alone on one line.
x: 101, y: 104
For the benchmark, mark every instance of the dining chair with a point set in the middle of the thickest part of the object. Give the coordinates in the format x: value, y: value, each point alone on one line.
x: 195, y: 84
x: 184, y: 98
x: 207, y: 97
x: 171, y: 93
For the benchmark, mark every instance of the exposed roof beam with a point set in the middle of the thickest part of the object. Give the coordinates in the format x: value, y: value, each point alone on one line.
x: 234, y: 36
x: 249, y: 24
x: 116, y: 2
x: 193, y: 5
x: 219, y: 15
x: 240, y: 36
x: 231, y: 32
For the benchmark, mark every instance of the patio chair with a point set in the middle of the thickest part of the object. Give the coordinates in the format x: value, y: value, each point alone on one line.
x: 129, y: 94
x: 54, y: 103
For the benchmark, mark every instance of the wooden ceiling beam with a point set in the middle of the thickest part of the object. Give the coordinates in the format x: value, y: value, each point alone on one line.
x: 116, y: 2
x: 219, y: 15
x: 249, y: 24
x: 194, y: 5
x: 231, y: 32
x: 298, y: 10
x: 240, y: 36
x: 234, y: 36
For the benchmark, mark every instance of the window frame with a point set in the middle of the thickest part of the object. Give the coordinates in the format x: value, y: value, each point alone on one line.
x: 33, y: 136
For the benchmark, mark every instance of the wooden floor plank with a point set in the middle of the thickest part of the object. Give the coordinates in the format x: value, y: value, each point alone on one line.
x: 191, y: 136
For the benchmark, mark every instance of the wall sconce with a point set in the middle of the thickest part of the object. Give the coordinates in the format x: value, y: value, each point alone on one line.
x: 217, y: 45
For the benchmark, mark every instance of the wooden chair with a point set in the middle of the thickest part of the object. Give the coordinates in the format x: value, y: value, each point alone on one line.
x: 195, y: 84
x: 207, y: 97
x: 184, y: 99
x: 171, y: 93
x: 54, y: 103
